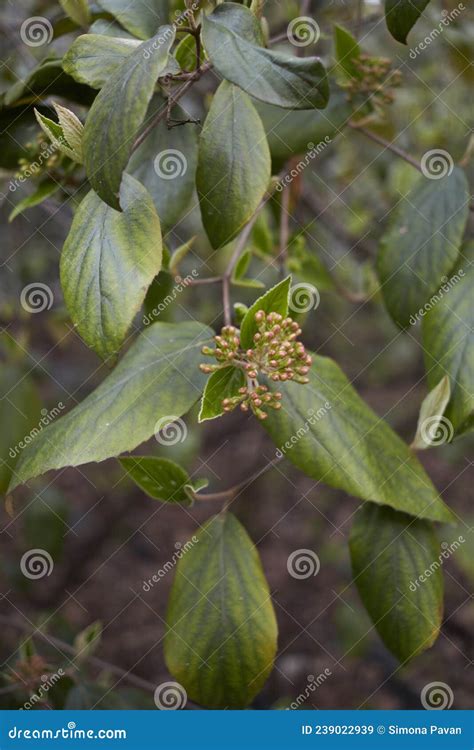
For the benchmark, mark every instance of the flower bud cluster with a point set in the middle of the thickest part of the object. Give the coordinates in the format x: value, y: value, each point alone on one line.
x: 276, y: 353
x: 375, y: 79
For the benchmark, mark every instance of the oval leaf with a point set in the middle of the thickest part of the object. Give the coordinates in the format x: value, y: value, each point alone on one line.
x: 140, y: 17
x: 222, y: 384
x: 331, y: 434
x: 401, y: 16
x: 117, y: 113
x: 392, y: 562
x: 222, y: 633
x: 160, y: 478
x: 234, y: 166
x: 93, y: 58
x: 108, y: 262
x: 422, y: 243
x: 275, y: 300
x: 232, y: 37
x: 158, y: 377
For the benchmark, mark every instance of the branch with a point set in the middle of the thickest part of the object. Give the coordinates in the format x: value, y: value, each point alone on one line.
x: 386, y: 144
x: 232, y: 491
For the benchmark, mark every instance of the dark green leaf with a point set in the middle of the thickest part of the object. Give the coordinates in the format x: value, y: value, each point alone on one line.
x: 221, y: 637
x: 238, y: 275
x: 158, y: 377
x: 166, y: 164
x: 160, y: 478
x: 44, y: 190
x: 93, y: 58
x: 401, y: 16
x: 331, y: 434
x: 108, y: 28
x: 448, y: 343
x: 46, y: 80
x: 185, y: 53
x: 299, y: 131
x: 347, y: 50
x: 422, y: 243
x: 117, y: 113
x: 396, y: 564
x: 108, y: 262
x: 275, y: 300
x: 234, y: 166
x: 222, y: 384
x: 141, y: 18
x: 232, y: 38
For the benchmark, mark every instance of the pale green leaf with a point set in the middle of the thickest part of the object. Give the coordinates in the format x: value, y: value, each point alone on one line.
x: 93, y: 58
x: 431, y: 414
x: 223, y: 383
x: 396, y: 564
x: 160, y: 478
x: 142, y: 18
x: 117, y: 113
x: 222, y: 633
x: 108, y: 262
x: 275, y: 300
x: 78, y: 10
x: 333, y: 436
x: 158, y: 377
x: 234, y: 166
x: 232, y: 38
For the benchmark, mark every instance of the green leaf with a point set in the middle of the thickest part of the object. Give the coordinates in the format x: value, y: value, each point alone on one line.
x: 397, y: 570
x: 185, y: 53
x: 72, y: 128
x: 93, y: 58
x: 179, y: 255
x: 222, y: 384
x: 448, y: 343
x: 347, y: 50
x: 140, y: 17
x: 422, y: 243
x: 296, y: 132
x: 332, y: 435
x: 166, y: 164
x: 222, y: 633
x: 87, y: 642
x: 234, y: 166
x: 45, y: 190
x: 55, y: 133
x: 401, y: 16
x: 46, y: 80
x: 430, y: 419
x: 275, y: 300
x: 160, y: 478
x: 78, y: 10
x: 232, y: 38
x: 238, y: 275
x: 108, y: 28
x: 108, y: 262
x: 117, y: 113
x: 20, y: 415
x: 158, y: 377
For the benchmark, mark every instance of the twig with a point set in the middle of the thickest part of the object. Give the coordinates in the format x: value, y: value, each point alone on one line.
x: 284, y: 231
x: 232, y: 491
x: 386, y: 144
